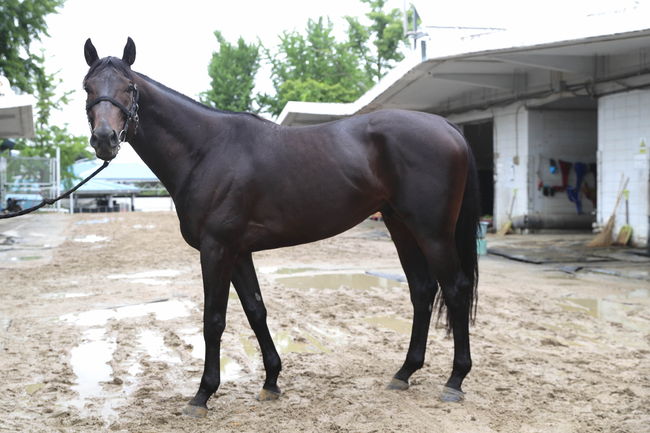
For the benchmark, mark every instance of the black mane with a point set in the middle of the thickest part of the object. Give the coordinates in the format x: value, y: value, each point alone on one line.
x: 125, y: 69
x: 195, y: 102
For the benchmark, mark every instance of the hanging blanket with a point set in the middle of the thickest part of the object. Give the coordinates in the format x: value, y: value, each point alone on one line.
x: 574, y: 192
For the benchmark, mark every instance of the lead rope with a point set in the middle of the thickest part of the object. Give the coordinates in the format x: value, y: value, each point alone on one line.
x: 47, y: 201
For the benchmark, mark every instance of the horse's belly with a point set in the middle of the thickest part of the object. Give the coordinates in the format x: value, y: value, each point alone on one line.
x: 312, y: 222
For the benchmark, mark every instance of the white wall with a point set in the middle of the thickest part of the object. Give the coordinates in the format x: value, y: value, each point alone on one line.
x: 567, y: 135
x: 510, y: 162
x: 623, y: 125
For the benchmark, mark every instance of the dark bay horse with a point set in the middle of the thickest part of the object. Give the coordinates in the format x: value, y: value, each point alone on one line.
x: 243, y: 184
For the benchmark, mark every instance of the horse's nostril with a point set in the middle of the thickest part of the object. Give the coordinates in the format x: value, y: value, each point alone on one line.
x: 114, y: 139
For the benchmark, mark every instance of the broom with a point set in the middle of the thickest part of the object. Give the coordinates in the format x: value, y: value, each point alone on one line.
x: 604, y: 238
x: 505, y: 228
x: 625, y: 233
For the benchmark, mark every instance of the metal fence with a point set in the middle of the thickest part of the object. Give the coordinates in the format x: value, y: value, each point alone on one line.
x: 28, y: 180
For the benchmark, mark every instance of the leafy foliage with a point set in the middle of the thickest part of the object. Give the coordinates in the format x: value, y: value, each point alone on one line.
x: 49, y: 137
x: 387, y: 33
x: 313, y: 66
x: 21, y: 22
x: 232, y: 71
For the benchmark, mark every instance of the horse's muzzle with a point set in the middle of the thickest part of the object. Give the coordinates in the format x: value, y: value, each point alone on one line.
x: 106, y: 142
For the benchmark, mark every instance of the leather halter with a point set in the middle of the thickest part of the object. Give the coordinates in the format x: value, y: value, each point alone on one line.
x: 130, y: 114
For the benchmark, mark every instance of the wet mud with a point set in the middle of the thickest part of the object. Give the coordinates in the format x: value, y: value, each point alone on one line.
x: 101, y: 331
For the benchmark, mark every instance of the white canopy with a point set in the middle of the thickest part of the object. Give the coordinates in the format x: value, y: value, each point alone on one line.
x: 16, y: 117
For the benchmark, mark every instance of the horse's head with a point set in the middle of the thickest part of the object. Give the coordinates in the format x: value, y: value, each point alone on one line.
x: 112, y: 100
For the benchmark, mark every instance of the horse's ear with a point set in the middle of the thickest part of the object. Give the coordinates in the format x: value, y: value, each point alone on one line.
x: 90, y: 52
x: 129, y: 52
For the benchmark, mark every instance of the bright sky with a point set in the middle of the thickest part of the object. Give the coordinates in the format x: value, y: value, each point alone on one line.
x: 174, y: 39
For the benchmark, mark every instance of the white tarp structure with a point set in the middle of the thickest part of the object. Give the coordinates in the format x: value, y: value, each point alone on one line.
x: 16, y: 118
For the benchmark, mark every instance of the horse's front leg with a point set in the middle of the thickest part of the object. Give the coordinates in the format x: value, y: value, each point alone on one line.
x: 216, y: 266
x: 248, y: 289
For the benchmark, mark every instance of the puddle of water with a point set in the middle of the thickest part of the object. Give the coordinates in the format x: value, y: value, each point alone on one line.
x: 144, y: 226
x: 25, y: 258
x: 158, y: 273
x: 249, y: 348
x: 95, y: 221
x: 152, y: 278
x: 354, y: 281
x: 398, y: 325
x: 583, y: 305
x: 332, y: 334
x: 91, y: 239
x: 193, y: 337
x: 163, y: 310
x: 64, y: 295
x: 285, y: 271
x: 89, y: 362
x: 611, y: 308
x: 155, y: 347
x: 288, y: 343
x: 228, y: 367
x: 639, y: 293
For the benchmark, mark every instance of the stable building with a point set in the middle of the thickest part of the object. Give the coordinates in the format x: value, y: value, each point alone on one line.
x: 558, y: 122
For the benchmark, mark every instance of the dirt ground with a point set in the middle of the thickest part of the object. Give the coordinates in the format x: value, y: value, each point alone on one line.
x: 100, y: 317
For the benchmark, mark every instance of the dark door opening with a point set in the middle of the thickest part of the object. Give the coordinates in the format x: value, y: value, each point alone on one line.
x: 480, y: 137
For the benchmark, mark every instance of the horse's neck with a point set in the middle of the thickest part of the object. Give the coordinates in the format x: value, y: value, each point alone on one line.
x: 166, y: 140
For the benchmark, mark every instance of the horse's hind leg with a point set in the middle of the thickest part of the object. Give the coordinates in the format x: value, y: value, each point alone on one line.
x: 248, y: 289
x: 442, y: 257
x: 430, y: 258
x: 423, y: 290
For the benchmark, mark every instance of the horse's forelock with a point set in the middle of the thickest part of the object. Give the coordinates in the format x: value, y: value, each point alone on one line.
x: 106, y: 62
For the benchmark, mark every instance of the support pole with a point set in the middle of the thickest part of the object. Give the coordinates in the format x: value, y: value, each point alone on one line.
x: 57, y: 177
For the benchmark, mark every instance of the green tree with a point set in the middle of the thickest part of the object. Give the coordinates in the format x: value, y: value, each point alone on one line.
x: 232, y: 70
x: 386, y: 35
x: 316, y: 67
x: 21, y: 23
x: 310, y: 66
x: 48, y: 137
x: 313, y: 67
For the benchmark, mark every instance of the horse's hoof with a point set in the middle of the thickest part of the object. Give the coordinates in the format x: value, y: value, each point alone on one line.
x: 195, y: 411
x: 451, y: 395
x: 268, y: 395
x: 398, y: 384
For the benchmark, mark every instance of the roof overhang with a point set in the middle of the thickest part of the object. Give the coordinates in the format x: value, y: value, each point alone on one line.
x: 479, y: 79
x: 491, y: 70
x: 96, y: 187
x: 16, y: 117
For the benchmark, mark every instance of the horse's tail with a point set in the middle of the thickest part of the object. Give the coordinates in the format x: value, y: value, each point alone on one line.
x: 466, y: 236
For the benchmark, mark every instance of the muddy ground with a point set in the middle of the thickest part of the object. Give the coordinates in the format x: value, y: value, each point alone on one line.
x: 100, y: 317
